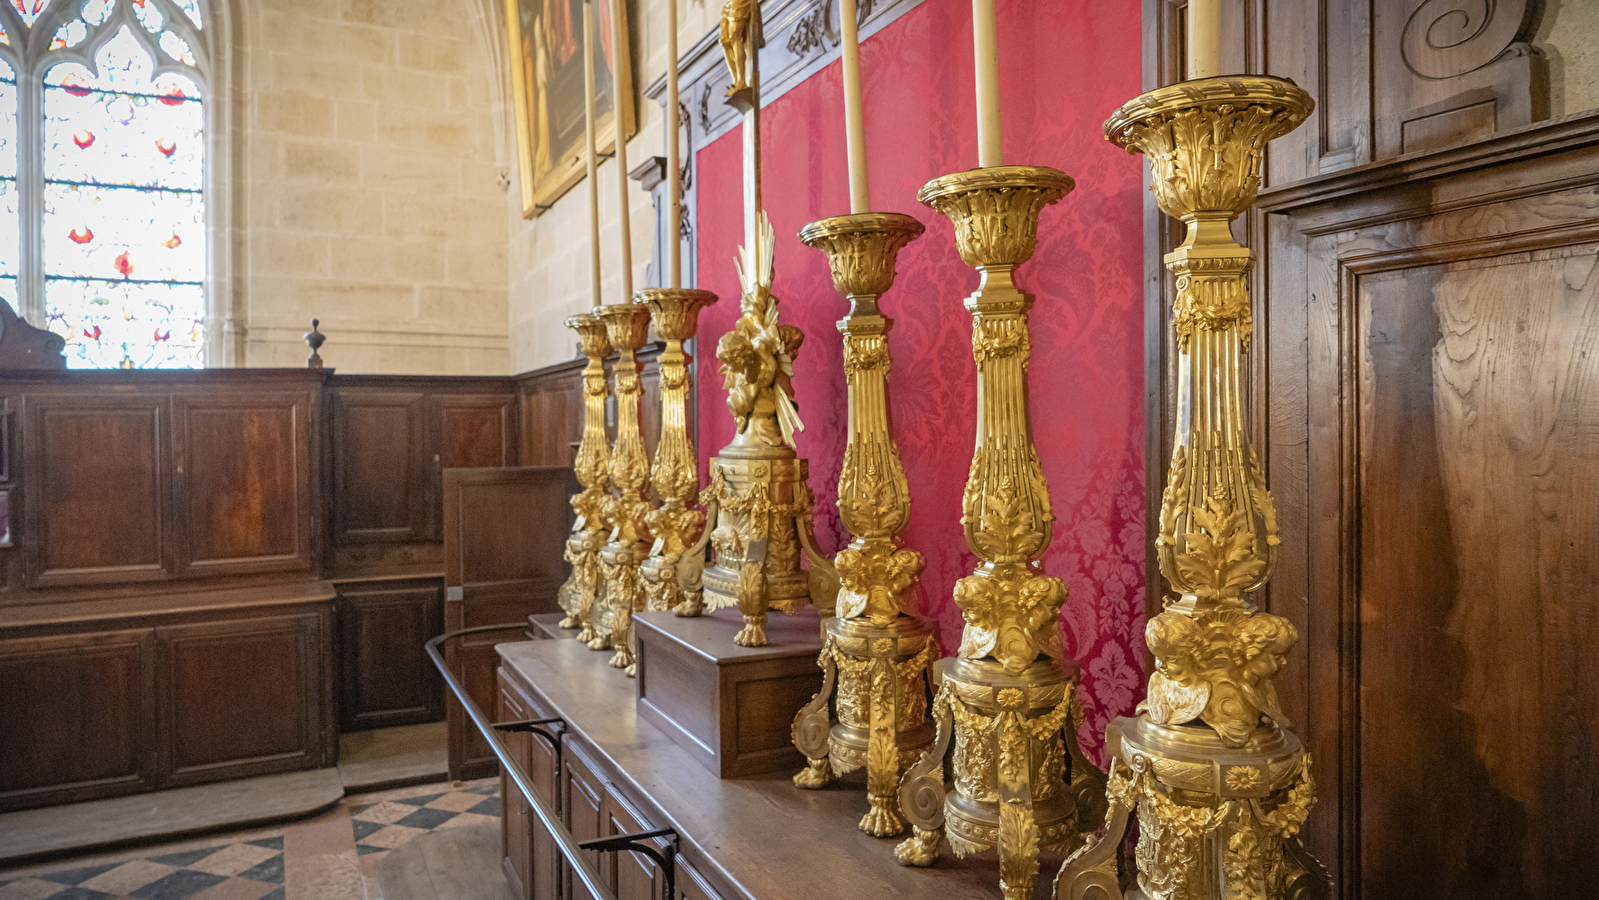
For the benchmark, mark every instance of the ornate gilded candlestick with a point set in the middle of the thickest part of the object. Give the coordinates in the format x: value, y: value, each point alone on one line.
x: 758, y: 498
x: 676, y: 525
x: 628, y: 326
x: 877, y: 648
x: 1219, y: 784
x: 1008, y: 693
x: 578, y: 594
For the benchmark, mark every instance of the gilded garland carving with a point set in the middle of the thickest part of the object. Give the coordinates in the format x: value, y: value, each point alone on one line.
x: 1217, y: 782
x: 583, y: 587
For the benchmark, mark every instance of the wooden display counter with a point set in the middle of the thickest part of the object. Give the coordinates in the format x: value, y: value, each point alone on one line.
x: 752, y: 837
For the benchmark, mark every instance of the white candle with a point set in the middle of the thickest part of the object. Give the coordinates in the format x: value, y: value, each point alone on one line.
x: 1204, y: 38
x: 988, y: 152
x: 619, y: 47
x: 593, y: 156
x: 860, y: 194
x: 674, y: 187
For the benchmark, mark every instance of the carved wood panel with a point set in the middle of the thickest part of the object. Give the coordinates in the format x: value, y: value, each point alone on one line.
x: 244, y: 473
x: 97, y: 474
x: 385, y: 678
x: 80, y: 714
x: 379, y: 461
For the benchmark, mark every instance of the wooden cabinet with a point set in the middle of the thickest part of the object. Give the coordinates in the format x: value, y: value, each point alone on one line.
x: 531, y: 861
x: 248, y: 696
x: 385, y: 677
x: 212, y: 686
x: 80, y: 716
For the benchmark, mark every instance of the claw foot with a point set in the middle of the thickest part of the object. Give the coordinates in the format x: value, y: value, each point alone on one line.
x: 622, y: 659
x: 692, y: 606
x: 920, y: 849
x: 600, y: 642
x: 817, y: 774
x: 587, y: 634
x: 753, y: 634
x: 882, y: 819
x: 567, y: 622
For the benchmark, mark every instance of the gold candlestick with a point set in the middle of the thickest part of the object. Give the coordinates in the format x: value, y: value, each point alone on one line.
x: 628, y: 326
x: 1219, y: 784
x: 577, y: 595
x: 877, y: 649
x: 671, y: 574
x: 1009, y: 692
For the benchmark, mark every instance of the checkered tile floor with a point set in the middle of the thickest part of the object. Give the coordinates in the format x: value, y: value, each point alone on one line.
x: 255, y: 868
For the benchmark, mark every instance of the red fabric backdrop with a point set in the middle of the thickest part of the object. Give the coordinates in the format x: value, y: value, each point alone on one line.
x: 1064, y: 66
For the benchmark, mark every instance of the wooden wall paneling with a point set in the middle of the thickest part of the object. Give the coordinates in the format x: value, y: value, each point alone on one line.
x: 80, y: 714
x: 469, y: 431
x: 385, y: 676
x: 551, y: 414
x: 379, y: 466
x: 245, y: 697
x: 504, y: 541
x: 245, y: 482
x: 96, y: 516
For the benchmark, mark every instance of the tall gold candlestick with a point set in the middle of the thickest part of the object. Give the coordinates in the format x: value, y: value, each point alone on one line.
x: 592, y: 466
x: 672, y: 573
x: 877, y: 648
x: 627, y: 325
x: 1009, y: 692
x: 1219, y: 785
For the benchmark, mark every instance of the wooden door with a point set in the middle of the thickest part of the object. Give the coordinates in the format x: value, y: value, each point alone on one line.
x: 504, y: 538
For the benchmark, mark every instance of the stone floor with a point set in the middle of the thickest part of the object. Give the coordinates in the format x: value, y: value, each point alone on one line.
x: 426, y: 842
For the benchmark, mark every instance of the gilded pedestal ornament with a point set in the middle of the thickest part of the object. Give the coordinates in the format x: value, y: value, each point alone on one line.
x: 628, y: 326
x: 758, y: 501
x: 1008, y: 695
x: 592, y: 466
x: 1219, y: 784
x: 672, y: 574
x: 875, y: 660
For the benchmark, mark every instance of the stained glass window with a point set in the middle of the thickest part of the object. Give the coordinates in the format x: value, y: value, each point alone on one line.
x: 119, y: 181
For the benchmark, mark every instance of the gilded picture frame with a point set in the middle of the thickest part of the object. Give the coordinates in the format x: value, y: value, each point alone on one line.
x: 546, y: 44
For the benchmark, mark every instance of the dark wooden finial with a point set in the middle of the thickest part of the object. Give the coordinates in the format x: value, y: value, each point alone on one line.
x: 314, y: 339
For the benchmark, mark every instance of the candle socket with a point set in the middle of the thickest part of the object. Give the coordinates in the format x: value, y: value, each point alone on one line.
x: 671, y: 574
x: 1219, y: 785
x: 627, y: 325
x: 1009, y: 692
x: 592, y: 465
x: 874, y: 662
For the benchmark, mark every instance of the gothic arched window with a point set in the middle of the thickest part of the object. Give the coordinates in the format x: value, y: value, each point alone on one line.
x: 102, y: 165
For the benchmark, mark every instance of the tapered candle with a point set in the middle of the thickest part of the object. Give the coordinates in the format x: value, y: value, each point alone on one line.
x: 860, y: 194
x: 593, y: 156
x: 674, y: 186
x: 988, y: 152
x: 1204, y: 38
x: 619, y: 47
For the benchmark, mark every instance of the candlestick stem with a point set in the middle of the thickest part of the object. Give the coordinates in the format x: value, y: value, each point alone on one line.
x: 592, y: 467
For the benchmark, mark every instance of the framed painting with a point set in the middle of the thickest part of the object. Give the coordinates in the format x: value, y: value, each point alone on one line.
x: 547, y: 85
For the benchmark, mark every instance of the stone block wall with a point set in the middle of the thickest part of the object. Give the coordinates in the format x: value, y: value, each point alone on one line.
x: 369, y: 184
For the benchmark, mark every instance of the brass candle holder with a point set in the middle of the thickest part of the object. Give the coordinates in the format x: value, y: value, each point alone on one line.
x: 758, y: 498
x: 1009, y: 692
x: 676, y: 524
x: 592, y: 465
x: 875, y: 660
x: 1219, y: 785
x: 628, y: 326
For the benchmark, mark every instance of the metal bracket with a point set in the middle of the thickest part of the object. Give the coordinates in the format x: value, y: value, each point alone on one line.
x: 533, y: 726
x: 638, y: 843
